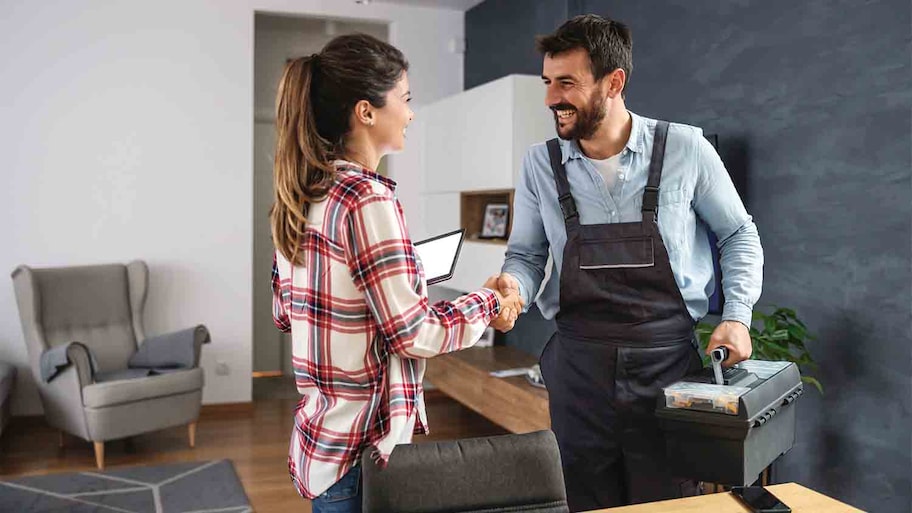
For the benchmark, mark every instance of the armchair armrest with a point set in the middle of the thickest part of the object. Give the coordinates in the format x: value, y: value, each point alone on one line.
x: 81, y: 359
x: 180, y: 349
x: 200, y: 336
x: 57, y: 361
x: 62, y: 397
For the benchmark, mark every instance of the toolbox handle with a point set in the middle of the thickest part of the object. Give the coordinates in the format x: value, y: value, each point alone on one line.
x: 717, y: 356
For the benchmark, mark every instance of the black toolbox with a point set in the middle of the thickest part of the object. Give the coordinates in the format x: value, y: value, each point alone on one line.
x: 727, y: 434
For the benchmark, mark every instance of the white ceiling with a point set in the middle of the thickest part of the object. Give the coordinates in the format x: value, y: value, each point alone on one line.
x: 458, y: 5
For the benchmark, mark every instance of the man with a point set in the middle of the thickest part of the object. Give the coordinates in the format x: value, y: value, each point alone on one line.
x: 623, y: 204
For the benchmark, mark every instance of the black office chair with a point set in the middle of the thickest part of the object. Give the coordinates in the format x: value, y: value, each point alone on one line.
x: 515, y: 473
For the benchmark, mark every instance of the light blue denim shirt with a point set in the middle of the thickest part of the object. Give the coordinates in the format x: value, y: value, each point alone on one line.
x: 696, y: 192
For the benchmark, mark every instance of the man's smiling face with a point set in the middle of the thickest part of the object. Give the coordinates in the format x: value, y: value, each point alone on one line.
x: 573, y: 95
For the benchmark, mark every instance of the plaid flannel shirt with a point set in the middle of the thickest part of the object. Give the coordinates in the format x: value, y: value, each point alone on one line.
x: 361, y: 326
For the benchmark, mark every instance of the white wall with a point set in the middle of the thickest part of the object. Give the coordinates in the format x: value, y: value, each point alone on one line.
x: 126, y: 132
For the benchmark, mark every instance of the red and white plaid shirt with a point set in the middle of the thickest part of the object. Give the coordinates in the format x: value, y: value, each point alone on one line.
x: 361, y: 326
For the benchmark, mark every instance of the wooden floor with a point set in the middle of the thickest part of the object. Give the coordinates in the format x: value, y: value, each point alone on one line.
x: 253, y: 436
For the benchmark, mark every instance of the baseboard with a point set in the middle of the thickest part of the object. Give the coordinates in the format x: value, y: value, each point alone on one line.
x: 268, y: 374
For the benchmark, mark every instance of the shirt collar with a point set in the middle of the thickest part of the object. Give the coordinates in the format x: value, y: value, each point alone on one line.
x: 571, y: 149
x: 345, y: 165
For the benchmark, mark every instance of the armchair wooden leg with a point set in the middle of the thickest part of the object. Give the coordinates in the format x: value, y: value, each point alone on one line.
x: 99, y: 455
x: 191, y: 432
x: 60, y: 440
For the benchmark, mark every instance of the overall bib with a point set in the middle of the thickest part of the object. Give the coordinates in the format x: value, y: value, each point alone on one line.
x: 623, y: 333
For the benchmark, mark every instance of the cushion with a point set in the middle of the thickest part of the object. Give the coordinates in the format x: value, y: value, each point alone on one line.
x: 110, y: 393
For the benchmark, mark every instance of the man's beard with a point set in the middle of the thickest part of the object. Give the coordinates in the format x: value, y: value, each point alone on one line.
x: 587, y: 121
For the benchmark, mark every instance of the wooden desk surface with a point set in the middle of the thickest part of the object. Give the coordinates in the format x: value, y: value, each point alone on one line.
x: 512, y: 402
x: 797, y: 497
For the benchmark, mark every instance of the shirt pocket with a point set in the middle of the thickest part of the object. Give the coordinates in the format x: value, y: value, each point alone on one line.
x: 674, y: 209
x: 616, y: 254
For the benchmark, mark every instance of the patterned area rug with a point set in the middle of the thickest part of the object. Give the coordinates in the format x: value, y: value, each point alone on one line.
x: 197, y: 487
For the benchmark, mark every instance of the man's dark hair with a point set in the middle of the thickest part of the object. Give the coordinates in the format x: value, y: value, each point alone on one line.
x: 607, y: 42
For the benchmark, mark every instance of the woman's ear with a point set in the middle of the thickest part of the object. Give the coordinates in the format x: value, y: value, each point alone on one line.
x: 364, y: 113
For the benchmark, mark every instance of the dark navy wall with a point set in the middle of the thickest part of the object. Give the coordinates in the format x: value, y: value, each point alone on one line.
x: 499, y: 37
x: 813, y: 101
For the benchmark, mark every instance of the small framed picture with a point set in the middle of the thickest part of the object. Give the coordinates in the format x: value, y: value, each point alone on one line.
x: 496, y: 217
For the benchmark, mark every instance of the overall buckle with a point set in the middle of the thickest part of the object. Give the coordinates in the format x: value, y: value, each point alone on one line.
x: 568, y: 206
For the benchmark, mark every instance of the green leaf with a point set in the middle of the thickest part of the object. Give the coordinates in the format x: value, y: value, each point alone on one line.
x: 778, y: 353
x: 797, y: 332
x: 813, y: 381
x: 788, y: 311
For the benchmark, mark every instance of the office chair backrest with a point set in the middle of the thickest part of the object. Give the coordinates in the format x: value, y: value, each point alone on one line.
x: 516, y: 473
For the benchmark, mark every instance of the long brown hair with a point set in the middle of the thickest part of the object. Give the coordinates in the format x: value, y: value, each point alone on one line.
x: 313, y: 107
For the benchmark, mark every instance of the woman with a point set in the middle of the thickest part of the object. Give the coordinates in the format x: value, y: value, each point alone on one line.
x: 346, y: 280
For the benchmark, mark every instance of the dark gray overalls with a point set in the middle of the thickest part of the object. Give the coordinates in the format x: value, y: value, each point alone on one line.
x: 623, y: 332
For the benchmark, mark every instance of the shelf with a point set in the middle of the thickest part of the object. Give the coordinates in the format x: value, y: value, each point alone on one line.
x: 472, y: 205
x: 493, y: 242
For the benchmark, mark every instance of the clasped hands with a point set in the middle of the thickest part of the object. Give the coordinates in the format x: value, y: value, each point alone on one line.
x: 506, y: 288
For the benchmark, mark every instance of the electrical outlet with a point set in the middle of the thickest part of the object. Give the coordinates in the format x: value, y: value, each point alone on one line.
x: 222, y: 369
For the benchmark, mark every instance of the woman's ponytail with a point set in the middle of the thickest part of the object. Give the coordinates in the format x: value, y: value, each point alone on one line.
x: 303, y: 170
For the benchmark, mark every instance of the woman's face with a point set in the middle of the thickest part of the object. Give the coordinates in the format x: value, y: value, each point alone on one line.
x: 393, y: 118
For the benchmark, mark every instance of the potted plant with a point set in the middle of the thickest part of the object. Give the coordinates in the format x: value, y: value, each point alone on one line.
x: 782, y: 338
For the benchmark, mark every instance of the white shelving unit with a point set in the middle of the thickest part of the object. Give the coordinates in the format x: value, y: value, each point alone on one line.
x: 475, y: 141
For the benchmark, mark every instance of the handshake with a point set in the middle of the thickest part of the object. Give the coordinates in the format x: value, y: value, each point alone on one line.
x: 506, y: 288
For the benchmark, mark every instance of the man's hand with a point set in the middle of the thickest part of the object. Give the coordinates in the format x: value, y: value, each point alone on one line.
x: 734, y: 336
x: 511, y: 304
x: 507, y: 284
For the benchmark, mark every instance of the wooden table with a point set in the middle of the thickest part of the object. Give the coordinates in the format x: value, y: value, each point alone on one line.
x: 511, y: 403
x: 797, y: 497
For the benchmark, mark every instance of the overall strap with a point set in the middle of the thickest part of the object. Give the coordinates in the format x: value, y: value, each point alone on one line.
x: 567, y: 205
x: 651, y: 194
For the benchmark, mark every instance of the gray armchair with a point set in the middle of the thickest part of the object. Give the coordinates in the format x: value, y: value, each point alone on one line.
x: 101, y: 307
x: 507, y: 473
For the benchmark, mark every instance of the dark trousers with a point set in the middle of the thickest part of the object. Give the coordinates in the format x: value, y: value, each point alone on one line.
x: 602, y: 403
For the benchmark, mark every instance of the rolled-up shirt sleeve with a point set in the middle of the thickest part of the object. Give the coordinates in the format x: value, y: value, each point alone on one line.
x: 527, y: 249
x: 741, y: 255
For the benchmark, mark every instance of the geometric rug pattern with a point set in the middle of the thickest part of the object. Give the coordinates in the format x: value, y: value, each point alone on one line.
x: 195, y: 487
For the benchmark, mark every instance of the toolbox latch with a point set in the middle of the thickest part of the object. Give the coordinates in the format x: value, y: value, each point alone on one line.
x: 763, y: 419
x: 789, y: 399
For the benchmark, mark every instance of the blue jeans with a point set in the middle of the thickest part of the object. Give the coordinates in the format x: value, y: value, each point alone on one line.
x: 342, y: 497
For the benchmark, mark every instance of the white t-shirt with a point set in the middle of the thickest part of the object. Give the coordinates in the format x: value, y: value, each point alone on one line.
x: 608, y: 168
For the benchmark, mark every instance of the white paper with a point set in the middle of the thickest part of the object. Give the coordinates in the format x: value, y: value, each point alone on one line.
x: 506, y: 373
